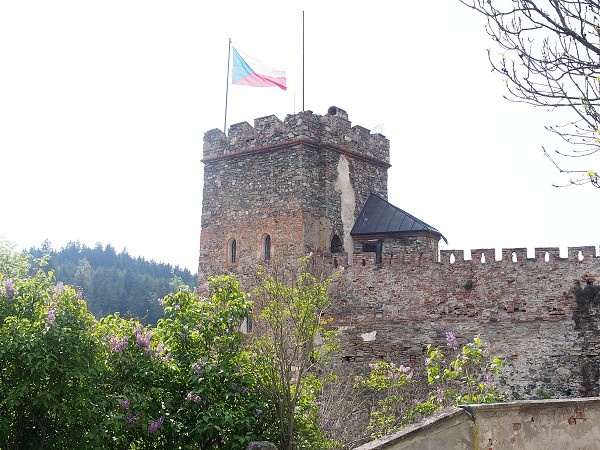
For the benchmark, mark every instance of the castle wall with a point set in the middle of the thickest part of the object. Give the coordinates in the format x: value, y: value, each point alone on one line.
x: 303, y: 180
x: 525, y: 307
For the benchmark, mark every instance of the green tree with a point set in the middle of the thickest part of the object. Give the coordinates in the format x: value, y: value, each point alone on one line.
x: 12, y: 264
x: 187, y: 383
x: 83, y: 276
x: 292, y: 342
x: 51, y: 365
x: 549, y: 58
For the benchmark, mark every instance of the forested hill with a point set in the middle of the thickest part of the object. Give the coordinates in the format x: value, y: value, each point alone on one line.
x: 114, y: 281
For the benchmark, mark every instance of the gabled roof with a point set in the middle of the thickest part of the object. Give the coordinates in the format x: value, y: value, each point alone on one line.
x: 378, y: 216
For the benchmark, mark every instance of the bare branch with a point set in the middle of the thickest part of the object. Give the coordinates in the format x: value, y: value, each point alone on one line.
x: 556, y: 49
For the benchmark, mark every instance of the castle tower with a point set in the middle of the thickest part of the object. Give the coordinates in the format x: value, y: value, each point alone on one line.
x: 283, y: 189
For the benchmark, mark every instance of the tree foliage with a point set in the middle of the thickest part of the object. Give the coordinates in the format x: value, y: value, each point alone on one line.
x: 293, y: 341
x: 116, y: 282
x: 550, y: 52
x: 51, y: 363
x: 187, y: 383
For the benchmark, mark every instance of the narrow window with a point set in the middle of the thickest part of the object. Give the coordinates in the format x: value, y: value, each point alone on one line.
x: 375, y: 247
x: 232, y: 251
x: 336, y: 244
x: 267, y: 247
x: 247, y: 324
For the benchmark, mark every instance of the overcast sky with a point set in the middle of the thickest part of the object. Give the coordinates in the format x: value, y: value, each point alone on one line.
x: 103, y: 108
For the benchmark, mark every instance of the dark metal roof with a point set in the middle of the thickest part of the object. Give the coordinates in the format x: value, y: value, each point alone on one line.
x: 378, y: 216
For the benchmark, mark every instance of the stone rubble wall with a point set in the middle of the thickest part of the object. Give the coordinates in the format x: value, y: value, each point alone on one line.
x: 301, y: 181
x: 334, y: 130
x: 526, y: 308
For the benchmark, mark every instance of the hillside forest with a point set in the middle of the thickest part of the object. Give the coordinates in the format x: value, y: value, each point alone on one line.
x: 115, y: 282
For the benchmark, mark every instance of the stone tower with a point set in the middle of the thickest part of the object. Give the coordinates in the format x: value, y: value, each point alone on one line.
x: 283, y: 189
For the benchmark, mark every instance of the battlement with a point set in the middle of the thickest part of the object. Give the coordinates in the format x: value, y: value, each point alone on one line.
x: 479, y: 257
x: 332, y: 130
x: 486, y: 255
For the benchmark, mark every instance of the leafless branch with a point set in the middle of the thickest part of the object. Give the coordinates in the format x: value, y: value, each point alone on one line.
x: 556, y: 49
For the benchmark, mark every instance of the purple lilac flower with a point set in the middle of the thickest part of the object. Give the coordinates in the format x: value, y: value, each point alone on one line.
x: 9, y: 288
x: 125, y: 404
x: 51, y: 317
x: 154, y: 426
x: 487, y: 350
x: 451, y: 340
x: 258, y: 412
x: 404, y: 369
x: 160, y: 347
x: 142, y: 340
x: 194, y: 397
x: 167, y: 357
x: 60, y: 286
x: 80, y: 294
x: 197, y: 369
x: 131, y: 419
x: 245, y: 390
x: 440, y: 394
x: 116, y: 344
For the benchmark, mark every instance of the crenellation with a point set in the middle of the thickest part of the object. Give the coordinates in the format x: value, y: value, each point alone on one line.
x: 304, y: 125
x: 269, y: 130
x: 215, y: 142
x: 514, y: 254
x: 547, y: 253
x: 519, y: 254
x: 484, y: 255
x: 333, y: 130
x: 584, y: 253
x: 447, y: 255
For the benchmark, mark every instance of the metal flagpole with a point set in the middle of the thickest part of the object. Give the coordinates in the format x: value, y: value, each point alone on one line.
x: 227, y: 89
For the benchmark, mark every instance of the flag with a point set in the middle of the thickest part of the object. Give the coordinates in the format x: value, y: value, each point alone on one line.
x: 252, y: 72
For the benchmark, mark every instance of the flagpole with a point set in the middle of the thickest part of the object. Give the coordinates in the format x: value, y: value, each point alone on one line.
x: 227, y: 89
x: 302, y: 61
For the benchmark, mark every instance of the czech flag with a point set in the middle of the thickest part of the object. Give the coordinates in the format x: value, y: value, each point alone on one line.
x: 252, y: 72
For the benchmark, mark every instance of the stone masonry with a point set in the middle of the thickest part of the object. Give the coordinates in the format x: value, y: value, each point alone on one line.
x: 302, y: 182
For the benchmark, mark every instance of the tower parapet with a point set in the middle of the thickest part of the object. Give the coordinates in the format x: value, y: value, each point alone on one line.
x: 332, y: 130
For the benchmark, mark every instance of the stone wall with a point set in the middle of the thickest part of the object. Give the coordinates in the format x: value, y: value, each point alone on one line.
x: 526, y: 425
x: 301, y: 181
x: 525, y: 307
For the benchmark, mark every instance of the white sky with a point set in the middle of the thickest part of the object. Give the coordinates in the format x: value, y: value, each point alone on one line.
x: 103, y: 108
